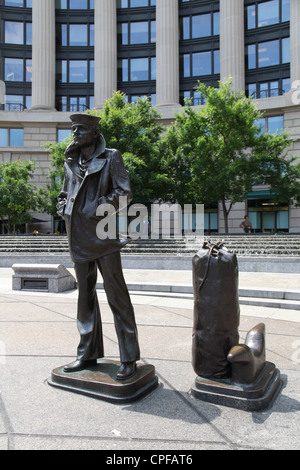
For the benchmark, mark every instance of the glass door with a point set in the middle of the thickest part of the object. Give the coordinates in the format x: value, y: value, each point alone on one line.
x: 268, y: 221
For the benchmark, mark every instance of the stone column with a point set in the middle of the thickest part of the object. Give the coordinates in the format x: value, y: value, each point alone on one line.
x: 232, y: 43
x: 43, y: 55
x: 295, y: 39
x: 105, y: 50
x: 2, y: 93
x: 167, y: 53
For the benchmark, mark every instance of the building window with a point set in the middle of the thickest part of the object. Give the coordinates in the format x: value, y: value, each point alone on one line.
x: 200, y: 64
x: 74, y: 103
x: 211, y: 220
x: 17, y: 32
x: 18, y: 3
x: 63, y: 134
x: 14, y: 32
x: 17, y: 70
x: 135, y: 3
x: 78, y: 4
x: 199, y: 26
x: 271, y: 124
x: 268, y: 89
x: 137, y: 69
x: 268, y: 54
x: 138, y: 32
x: 28, y: 70
x: 74, y: 4
x: 78, y: 35
x: 28, y: 33
x: 11, y: 137
x: 13, y: 70
x: 195, y: 96
x: 135, y: 98
x: 275, y: 124
x: 78, y: 103
x: 75, y: 71
x: 16, y: 102
x: 267, y: 13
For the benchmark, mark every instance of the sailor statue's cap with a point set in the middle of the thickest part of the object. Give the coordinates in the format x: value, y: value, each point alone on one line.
x: 85, y: 119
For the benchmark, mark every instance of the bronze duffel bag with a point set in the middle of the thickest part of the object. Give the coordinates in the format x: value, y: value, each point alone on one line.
x: 216, y: 310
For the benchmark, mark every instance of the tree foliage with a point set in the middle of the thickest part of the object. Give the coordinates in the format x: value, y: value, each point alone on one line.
x: 18, y: 195
x: 275, y: 168
x: 133, y: 129
x: 217, y: 152
x: 56, y: 174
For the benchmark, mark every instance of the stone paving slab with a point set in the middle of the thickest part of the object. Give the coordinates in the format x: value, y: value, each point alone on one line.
x: 38, y: 333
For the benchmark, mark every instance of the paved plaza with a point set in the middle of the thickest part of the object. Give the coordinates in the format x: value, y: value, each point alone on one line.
x: 38, y: 333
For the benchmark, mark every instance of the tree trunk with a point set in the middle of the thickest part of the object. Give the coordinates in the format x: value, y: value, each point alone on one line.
x: 8, y: 224
x: 226, y: 213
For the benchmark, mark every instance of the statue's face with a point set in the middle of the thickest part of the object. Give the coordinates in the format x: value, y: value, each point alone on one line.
x: 84, y: 136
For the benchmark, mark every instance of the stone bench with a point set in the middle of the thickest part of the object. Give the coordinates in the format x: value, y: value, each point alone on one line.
x: 42, y: 278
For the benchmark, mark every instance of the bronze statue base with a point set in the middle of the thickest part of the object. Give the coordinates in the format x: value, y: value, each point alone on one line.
x: 100, y: 382
x: 248, y: 397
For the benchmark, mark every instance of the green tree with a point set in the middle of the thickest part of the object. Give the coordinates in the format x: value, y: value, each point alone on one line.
x: 18, y: 195
x: 217, y: 152
x: 273, y: 166
x: 133, y: 129
x: 56, y: 174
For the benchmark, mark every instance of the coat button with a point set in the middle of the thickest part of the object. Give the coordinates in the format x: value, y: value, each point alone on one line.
x: 72, y: 200
x: 74, y: 181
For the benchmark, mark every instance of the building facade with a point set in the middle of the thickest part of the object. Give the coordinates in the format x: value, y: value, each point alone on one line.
x: 59, y: 57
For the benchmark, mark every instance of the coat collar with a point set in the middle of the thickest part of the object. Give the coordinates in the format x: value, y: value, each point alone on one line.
x: 94, y: 164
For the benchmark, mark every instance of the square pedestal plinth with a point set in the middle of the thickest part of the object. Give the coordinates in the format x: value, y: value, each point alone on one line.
x: 248, y: 397
x: 100, y: 382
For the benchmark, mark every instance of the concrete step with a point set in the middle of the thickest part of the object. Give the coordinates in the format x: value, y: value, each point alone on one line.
x: 275, y: 294
x: 243, y: 245
x: 28, y: 249
x: 270, y: 303
x: 247, y: 296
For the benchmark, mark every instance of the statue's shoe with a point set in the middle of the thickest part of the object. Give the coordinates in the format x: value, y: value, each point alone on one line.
x: 126, y: 370
x: 80, y: 364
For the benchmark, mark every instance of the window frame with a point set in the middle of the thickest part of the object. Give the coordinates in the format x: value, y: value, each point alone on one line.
x: 26, y: 4
x: 126, y: 4
x: 60, y: 43
x: 151, y: 31
x: 256, y: 4
x: 188, y: 19
x: 90, y: 6
x: 258, y: 44
x: 9, y: 136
